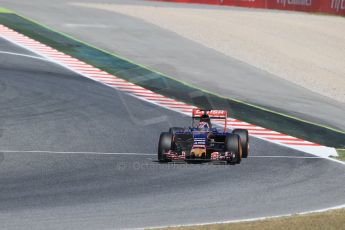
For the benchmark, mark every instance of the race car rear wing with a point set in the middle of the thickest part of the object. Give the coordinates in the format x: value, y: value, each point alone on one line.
x: 213, y: 114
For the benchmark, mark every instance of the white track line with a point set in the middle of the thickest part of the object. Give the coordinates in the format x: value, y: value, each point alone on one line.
x: 59, y: 152
x: 288, y: 157
x: 137, y: 154
x: 25, y: 55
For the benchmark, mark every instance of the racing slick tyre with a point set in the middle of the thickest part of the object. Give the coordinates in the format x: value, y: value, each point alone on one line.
x: 173, y: 130
x: 164, y: 145
x: 233, y: 144
x: 243, y: 133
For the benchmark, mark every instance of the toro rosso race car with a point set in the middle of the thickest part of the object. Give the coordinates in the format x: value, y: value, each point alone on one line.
x: 203, y: 142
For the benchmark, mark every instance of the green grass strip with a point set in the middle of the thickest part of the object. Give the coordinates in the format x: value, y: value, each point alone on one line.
x: 341, y: 153
x: 171, y: 87
x: 5, y: 11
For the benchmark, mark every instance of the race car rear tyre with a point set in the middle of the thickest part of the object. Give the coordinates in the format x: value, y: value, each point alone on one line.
x: 233, y: 145
x: 173, y: 130
x: 164, y: 145
x: 243, y: 133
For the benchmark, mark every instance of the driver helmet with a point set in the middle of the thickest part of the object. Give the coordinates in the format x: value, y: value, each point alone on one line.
x: 203, y: 126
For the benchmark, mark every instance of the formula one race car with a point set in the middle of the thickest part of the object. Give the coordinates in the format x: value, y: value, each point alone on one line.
x: 203, y: 142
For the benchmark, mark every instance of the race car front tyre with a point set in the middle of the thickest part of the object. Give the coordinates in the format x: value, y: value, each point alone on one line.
x: 243, y: 133
x: 164, y: 145
x: 233, y: 145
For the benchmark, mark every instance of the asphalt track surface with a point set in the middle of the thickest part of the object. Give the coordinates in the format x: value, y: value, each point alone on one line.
x: 44, y: 107
x: 181, y: 58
